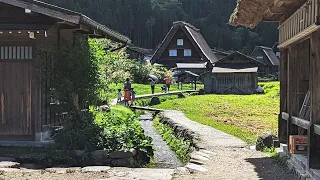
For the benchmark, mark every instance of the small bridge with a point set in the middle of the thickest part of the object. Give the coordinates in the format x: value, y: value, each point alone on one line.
x: 146, y: 109
x: 164, y: 94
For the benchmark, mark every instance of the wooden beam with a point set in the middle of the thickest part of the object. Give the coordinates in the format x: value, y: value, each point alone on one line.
x: 51, y: 11
x: 292, y: 90
x: 301, y: 122
x: 317, y: 129
x: 285, y: 116
x: 313, y: 143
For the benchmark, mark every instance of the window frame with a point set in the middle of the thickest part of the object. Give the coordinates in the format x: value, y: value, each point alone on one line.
x: 174, y: 54
x: 180, y: 40
x: 186, y: 53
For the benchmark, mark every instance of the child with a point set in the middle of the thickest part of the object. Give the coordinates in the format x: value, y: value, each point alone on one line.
x: 119, y: 95
x: 133, y: 96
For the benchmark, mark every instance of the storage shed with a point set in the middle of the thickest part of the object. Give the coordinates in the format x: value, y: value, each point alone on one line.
x: 28, y: 27
x: 231, y: 80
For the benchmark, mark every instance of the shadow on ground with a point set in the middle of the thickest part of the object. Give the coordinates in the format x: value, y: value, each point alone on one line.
x: 271, y: 168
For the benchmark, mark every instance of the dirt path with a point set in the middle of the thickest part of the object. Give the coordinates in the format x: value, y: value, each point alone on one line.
x: 229, y: 158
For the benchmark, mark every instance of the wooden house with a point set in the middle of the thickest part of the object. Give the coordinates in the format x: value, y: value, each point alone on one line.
x: 231, y: 80
x: 268, y: 57
x: 220, y: 53
x: 183, y: 44
x: 299, y: 44
x: 197, y: 68
x: 139, y: 53
x: 26, y: 27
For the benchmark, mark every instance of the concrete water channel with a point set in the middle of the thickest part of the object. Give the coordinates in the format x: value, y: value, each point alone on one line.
x: 164, y: 157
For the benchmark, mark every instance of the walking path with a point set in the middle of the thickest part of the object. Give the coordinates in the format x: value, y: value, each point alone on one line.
x: 114, y: 101
x: 227, y: 157
x: 164, y: 157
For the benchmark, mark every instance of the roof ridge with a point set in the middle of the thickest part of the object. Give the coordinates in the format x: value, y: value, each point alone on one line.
x: 183, y: 23
x: 263, y: 47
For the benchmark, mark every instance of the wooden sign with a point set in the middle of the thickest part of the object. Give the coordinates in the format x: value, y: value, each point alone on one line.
x: 298, y: 144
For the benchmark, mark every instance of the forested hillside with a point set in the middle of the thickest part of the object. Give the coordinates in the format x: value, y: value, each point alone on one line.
x: 146, y: 22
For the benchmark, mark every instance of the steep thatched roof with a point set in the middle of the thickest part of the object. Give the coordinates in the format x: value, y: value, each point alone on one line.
x: 249, y: 12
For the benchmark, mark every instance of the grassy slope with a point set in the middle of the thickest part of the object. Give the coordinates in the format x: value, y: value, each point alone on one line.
x: 245, y: 117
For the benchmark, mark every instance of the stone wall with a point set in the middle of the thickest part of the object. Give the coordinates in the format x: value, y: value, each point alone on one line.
x: 180, y: 130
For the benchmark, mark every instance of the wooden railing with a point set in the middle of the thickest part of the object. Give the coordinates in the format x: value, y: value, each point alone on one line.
x: 300, y: 24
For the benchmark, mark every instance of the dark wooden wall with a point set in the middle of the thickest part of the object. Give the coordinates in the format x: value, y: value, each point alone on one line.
x: 180, y: 58
x: 231, y: 83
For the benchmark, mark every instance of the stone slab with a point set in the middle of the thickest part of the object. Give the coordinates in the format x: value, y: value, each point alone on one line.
x: 195, y: 168
x: 95, y: 169
x: 9, y: 170
x: 9, y: 164
x: 140, y: 174
x: 199, y: 158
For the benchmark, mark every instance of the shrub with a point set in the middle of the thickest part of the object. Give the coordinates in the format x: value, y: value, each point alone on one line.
x: 123, y: 131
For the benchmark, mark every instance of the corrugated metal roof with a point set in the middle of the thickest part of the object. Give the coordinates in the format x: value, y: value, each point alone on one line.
x: 191, y: 65
x: 233, y: 70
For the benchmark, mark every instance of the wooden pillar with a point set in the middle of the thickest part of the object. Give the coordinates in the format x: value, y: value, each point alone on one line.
x: 292, y: 90
x: 282, y: 124
x: 313, y: 139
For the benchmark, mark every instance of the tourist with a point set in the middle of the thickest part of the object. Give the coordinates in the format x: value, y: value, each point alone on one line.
x: 119, y: 96
x: 152, y: 84
x: 133, y: 96
x: 127, y: 91
x: 168, y: 83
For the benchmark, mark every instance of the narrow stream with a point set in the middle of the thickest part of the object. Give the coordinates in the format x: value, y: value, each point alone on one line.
x: 164, y: 157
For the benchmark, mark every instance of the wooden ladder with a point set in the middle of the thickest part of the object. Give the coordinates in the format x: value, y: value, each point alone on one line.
x: 305, y: 111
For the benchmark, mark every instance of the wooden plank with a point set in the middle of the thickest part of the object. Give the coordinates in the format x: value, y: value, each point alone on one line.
x: 313, y: 143
x: 301, y: 122
x: 292, y: 88
x: 51, y: 11
x: 145, y: 108
x: 285, y: 116
x: 317, y: 129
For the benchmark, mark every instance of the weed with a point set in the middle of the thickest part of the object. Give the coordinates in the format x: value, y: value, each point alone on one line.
x: 179, y: 145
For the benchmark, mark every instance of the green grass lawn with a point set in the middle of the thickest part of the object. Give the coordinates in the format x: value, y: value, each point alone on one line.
x: 244, y: 116
x: 142, y: 89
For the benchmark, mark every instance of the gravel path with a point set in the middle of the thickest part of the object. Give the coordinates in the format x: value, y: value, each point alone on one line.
x: 164, y: 157
x: 229, y: 158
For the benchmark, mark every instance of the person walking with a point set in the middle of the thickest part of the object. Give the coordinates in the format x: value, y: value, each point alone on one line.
x: 152, y: 85
x: 168, y: 83
x: 127, y: 91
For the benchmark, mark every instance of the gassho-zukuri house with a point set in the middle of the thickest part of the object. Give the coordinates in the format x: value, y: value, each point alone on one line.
x: 25, y: 27
x: 299, y: 46
x: 184, y: 45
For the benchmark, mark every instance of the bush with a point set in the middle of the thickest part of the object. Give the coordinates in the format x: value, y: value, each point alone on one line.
x: 123, y: 131
x: 80, y: 133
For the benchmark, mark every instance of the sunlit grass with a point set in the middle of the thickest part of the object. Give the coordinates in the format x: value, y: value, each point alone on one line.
x: 244, y: 116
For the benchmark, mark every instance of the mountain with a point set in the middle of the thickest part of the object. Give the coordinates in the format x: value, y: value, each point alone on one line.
x: 147, y: 22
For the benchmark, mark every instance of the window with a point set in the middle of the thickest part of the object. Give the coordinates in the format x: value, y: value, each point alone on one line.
x: 173, y: 52
x: 187, y: 52
x: 180, y: 42
x: 15, y: 52
x: 278, y: 54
